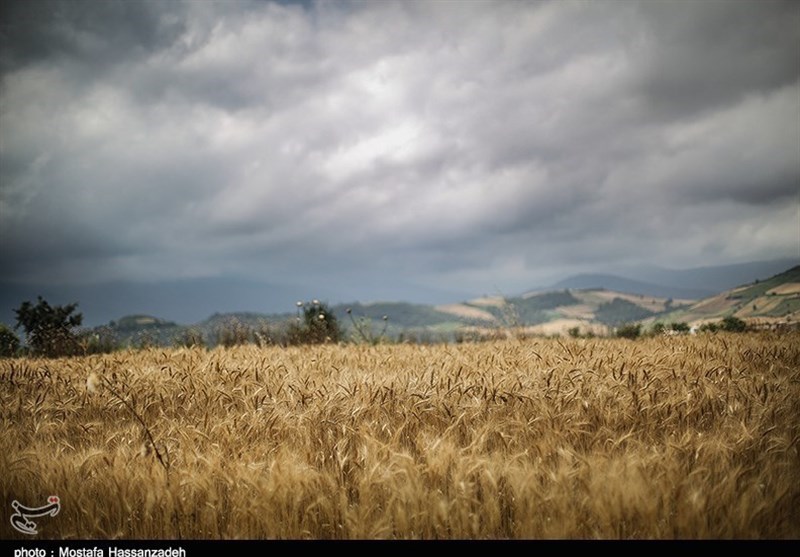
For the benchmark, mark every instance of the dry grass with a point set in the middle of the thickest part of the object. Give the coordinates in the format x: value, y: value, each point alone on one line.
x: 786, y: 288
x: 467, y: 312
x: 683, y: 437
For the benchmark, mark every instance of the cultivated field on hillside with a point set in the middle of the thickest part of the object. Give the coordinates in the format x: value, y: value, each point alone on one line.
x: 679, y: 437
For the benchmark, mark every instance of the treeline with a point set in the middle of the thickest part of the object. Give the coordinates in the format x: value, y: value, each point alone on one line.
x: 54, y: 331
x: 729, y: 324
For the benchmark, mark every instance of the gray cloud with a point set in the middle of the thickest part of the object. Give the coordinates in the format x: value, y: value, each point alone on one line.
x: 93, y: 35
x: 473, y: 144
x: 716, y: 53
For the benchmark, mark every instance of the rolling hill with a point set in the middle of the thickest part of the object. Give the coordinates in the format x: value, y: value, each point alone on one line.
x: 589, y: 310
x: 622, y: 284
x: 762, y: 303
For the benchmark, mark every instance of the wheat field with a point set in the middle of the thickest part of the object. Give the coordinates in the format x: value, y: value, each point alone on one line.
x: 690, y: 437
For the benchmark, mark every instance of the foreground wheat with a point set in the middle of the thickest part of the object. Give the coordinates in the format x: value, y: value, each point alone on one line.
x: 690, y: 437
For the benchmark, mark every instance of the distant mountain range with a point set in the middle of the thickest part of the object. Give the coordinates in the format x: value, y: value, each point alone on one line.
x: 590, y: 302
x: 582, y: 303
x: 621, y: 284
x: 695, y: 283
x: 714, y: 279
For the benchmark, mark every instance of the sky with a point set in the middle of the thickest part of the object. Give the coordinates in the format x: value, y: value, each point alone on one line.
x: 389, y: 150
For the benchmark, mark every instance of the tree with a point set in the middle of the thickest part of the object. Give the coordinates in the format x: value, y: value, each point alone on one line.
x: 709, y: 327
x: 9, y: 343
x: 49, y: 329
x: 317, y: 325
x: 733, y: 325
x: 680, y: 327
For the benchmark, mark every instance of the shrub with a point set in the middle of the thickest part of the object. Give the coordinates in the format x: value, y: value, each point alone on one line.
x: 709, y: 328
x: 315, y: 324
x: 729, y: 324
x: 364, y: 329
x: 233, y: 333
x: 681, y: 327
x: 102, y: 340
x: 733, y: 324
x: 629, y: 330
x: 190, y: 337
x: 263, y: 335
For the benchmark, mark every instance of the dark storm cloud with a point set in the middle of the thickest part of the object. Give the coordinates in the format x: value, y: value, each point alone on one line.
x: 716, y: 52
x: 91, y: 33
x: 474, y: 143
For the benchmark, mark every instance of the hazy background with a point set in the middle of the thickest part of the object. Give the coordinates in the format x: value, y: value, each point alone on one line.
x: 180, y: 158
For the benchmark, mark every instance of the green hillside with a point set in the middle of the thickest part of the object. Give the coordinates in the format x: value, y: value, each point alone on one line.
x: 763, y: 303
x: 769, y: 302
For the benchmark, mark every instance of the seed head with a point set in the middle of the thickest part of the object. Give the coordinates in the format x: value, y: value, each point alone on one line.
x: 92, y: 383
x: 144, y: 449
